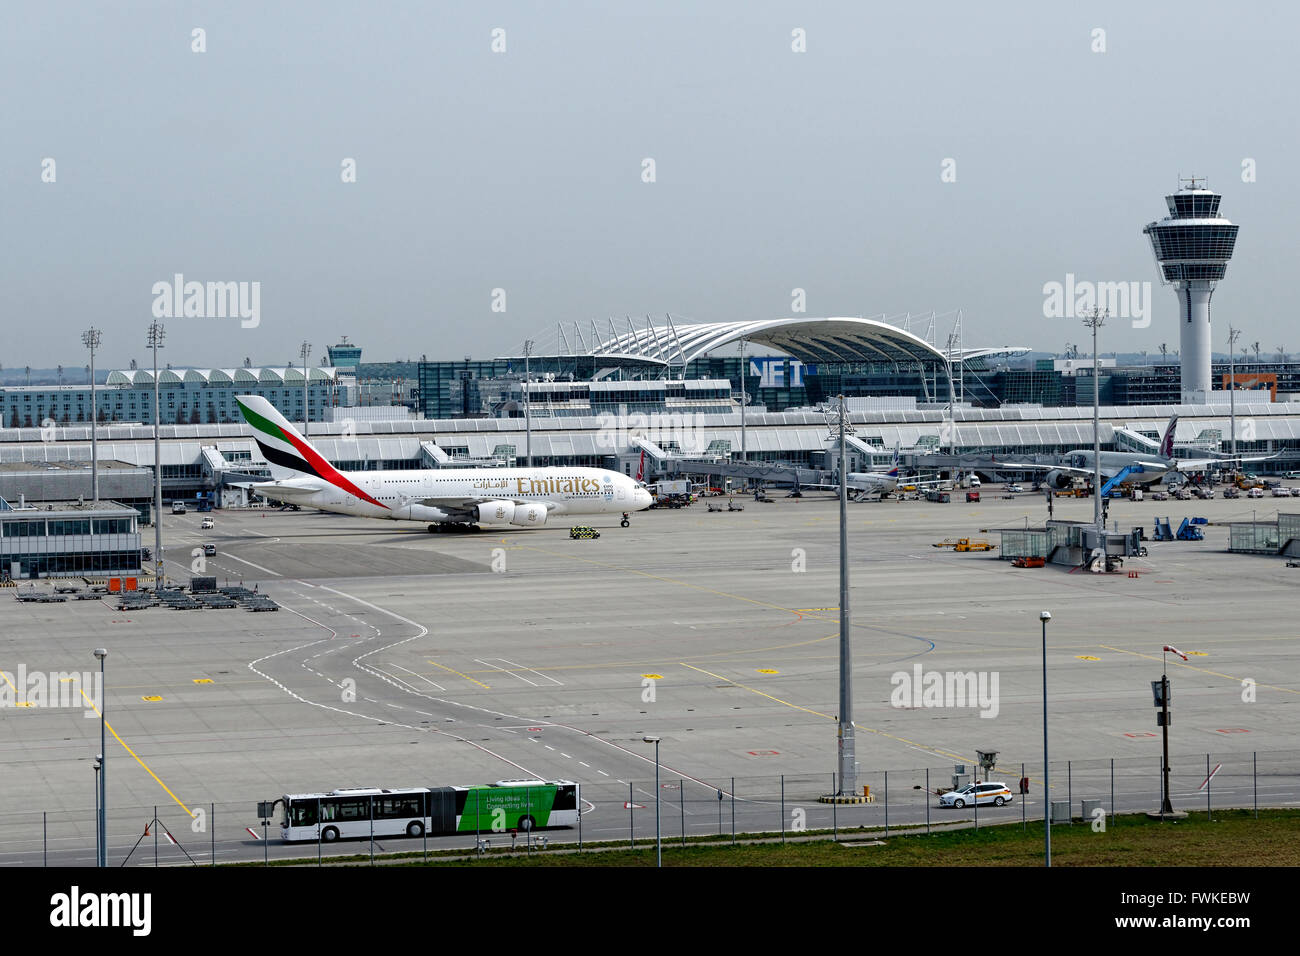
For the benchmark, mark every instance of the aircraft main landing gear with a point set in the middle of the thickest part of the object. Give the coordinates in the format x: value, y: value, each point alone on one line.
x: 625, y: 522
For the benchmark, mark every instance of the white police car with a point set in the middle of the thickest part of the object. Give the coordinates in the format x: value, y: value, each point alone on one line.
x: 993, y: 793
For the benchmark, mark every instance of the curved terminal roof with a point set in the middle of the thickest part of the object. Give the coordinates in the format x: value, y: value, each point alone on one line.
x: 835, y: 340
x: 218, y: 377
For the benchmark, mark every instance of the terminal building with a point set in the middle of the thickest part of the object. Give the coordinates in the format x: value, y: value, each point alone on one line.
x: 186, y: 396
x: 68, y: 538
x: 631, y: 401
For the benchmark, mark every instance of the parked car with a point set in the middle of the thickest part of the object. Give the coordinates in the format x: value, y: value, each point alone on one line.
x: 209, y: 549
x: 994, y: 793
x: 1015, y: 488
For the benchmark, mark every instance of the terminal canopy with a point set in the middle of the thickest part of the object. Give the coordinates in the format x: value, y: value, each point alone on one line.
x: 813, y: 341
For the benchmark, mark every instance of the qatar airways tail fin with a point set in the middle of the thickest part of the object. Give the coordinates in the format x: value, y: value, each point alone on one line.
x: 1167, y: 441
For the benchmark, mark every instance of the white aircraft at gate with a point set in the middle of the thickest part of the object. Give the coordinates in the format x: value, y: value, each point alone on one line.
x: 444, y: 497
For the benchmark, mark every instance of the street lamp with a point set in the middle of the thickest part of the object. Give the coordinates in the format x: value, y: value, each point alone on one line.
x: 659, y: 847
x: 1233, y: 335
x: 1095, y: 320
x: 101, y: 653
x: 155, y: 342
x: 99, y: 823
x: 528, y: 404
x: 305, y: 351
x: 90, y: 338
x: 1046, y: 616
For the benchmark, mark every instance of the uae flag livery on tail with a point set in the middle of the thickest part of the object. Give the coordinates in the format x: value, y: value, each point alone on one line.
x: 284, y: 447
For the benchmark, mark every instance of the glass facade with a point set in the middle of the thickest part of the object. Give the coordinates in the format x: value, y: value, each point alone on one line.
x: 63, y: 542
x: 180, y: 403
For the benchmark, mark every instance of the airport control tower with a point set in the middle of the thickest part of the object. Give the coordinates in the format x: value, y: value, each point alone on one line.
x: 1192, y: 247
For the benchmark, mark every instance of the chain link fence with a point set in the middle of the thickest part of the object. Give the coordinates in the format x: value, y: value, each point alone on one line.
x: 772, y: 807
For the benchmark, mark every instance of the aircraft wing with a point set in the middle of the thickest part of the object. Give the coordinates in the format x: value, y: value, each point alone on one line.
x: 1199, y: 464
x: 1035, y: 466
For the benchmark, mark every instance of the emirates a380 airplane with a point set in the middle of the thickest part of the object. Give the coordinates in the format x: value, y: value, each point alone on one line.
x: 447, y: 498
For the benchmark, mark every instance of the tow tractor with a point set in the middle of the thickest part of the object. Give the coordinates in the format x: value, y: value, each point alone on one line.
x: 965, y: 544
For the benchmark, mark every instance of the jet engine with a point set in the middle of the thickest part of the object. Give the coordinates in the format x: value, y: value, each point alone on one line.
x: 1059, y: 479
x: 529, y: 516
x: 496, y: 512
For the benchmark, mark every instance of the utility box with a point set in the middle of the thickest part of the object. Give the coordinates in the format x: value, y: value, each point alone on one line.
x: 1060, y: 811
x: 1089, y: 809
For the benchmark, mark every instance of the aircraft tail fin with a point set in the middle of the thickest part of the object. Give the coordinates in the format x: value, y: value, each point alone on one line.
x: 287, y: 452
x: 1167, y: 441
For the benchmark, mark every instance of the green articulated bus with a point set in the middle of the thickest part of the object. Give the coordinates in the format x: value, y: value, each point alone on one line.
x: 414, y: 811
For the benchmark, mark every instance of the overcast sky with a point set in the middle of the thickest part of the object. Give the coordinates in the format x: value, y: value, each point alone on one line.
x: 524, y: 170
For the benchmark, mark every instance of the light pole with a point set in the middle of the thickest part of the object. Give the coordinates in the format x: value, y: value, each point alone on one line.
x: 102, y: 653
x: 1233, y: 335
x: 528, y: 406
x: 99, y: 821
x: 90, y: 338
x: 155, y: 342
x: 1095, y: 321
x: 305, y: 351
x: 744, y: 397
x: 848, y: 768
x: 1046, y: 616
x: 659, y: 846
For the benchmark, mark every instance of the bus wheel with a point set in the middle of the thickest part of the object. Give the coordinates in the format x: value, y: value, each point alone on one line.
x: 415, y: 829
x: 329, y: 834
x: 526, y: 823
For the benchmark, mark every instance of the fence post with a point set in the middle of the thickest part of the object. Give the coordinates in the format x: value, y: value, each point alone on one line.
x: 783, y: 809
x: 156, y: 824
x: 1069, y: 791
x: 927, y: 801
x: 212, y: 828
x: 45, y: 838
x: 835, y: 810
x: 1254, y: 776
x: 733, y: 811
x: 681, y: 794
x: 1023, y: 825
x: 1208, y: 810
x: 631, y: 819
x: 372, y: 829
x: 1112, y: 791
x: 886, y: 804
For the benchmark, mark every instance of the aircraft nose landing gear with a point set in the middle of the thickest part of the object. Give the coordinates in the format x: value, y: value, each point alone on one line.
x: 625, y: 522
